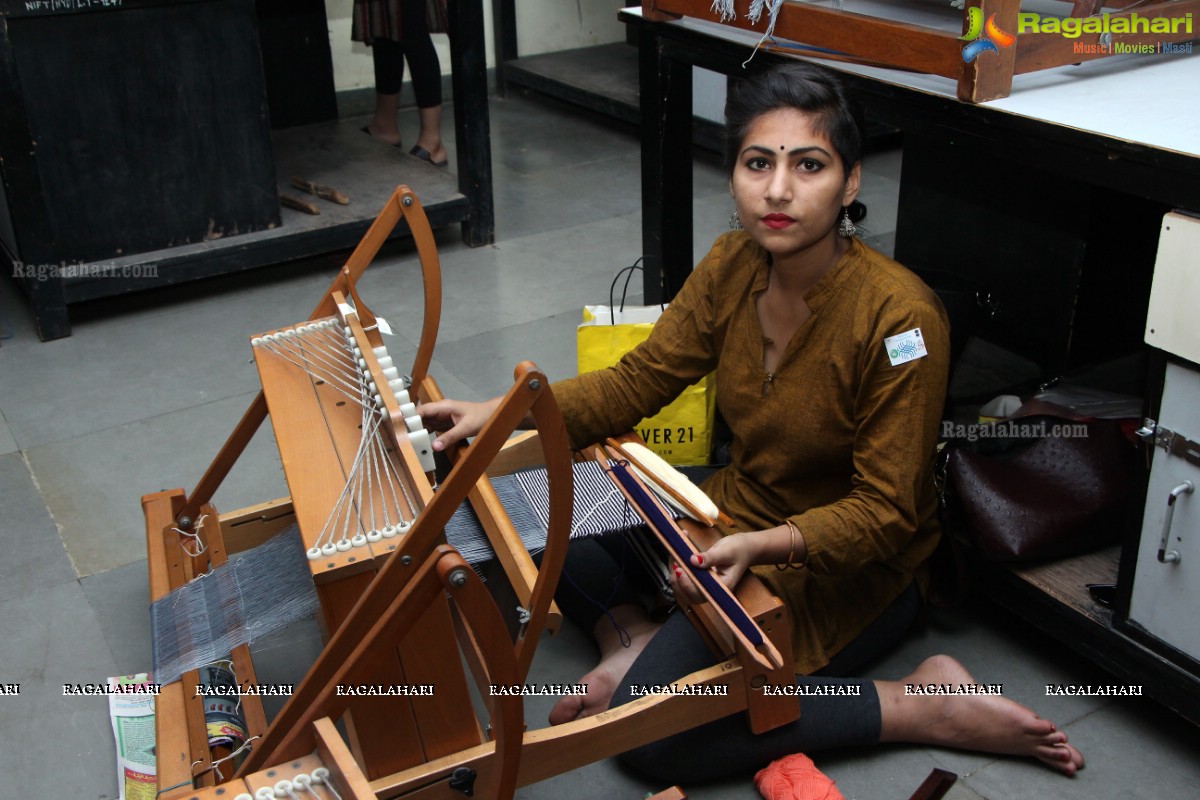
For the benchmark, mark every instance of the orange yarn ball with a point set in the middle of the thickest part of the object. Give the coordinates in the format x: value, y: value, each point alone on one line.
x: 795, y: 777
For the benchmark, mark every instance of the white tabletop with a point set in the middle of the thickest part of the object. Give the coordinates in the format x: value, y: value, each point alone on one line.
x: 1152, y: 100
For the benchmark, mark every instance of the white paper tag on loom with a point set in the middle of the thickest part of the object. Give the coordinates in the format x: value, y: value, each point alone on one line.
x: 905, y: 347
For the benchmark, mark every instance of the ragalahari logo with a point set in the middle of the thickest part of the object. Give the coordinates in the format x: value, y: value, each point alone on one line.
x: 980, y: 37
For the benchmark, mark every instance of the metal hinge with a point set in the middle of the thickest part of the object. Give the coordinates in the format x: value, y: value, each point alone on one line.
x: 1174, y: 443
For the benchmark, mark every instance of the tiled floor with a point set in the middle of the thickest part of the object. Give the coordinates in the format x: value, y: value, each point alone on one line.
x: 144, y: 392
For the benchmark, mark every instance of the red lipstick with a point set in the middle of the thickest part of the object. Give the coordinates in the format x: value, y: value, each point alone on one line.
x: 777, y: 221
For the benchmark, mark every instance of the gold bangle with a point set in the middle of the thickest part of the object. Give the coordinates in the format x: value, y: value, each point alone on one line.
x: 792, y: 531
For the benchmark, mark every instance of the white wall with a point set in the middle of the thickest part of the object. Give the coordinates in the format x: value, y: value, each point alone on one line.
x: 542, y: 26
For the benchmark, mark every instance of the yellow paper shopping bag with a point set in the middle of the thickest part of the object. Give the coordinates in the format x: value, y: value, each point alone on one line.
x: 681, y: 432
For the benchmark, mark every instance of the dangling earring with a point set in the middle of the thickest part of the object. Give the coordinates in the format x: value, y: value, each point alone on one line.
x: 735, y: 222
x: 846, y: 227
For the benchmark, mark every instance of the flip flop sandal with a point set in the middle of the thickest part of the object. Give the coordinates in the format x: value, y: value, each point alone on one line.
x: 425, y: 155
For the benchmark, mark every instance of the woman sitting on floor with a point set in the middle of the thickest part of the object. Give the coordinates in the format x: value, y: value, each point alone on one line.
x: 831, y: 366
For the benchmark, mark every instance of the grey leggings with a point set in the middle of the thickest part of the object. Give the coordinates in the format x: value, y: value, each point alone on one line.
x: 599, y: 576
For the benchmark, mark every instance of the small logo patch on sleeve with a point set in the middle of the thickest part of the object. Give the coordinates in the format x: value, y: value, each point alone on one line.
x: 905, y: 347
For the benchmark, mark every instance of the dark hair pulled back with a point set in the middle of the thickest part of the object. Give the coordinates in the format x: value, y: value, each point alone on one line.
x: 805, y: 87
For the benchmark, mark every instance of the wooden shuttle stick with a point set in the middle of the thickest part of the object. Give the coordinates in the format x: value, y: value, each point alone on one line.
x: 726, y: 606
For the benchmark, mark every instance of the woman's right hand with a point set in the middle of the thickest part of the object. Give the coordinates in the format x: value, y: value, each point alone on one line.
x: 728, y: 559
x: 455, y: 420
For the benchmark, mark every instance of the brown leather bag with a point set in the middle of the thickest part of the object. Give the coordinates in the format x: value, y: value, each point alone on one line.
x: 1052, y: 498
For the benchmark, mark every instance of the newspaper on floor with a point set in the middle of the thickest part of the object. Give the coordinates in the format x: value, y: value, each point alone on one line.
x: 131, y: 711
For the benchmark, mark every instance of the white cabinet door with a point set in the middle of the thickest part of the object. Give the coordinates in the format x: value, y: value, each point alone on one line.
x: 1166, y: 593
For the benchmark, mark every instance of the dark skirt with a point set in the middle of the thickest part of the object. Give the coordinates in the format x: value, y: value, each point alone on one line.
x: 380, y: 19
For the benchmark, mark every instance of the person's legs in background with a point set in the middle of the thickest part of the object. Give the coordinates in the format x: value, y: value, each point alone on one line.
x: 426, y: 72
x: 389, y: 56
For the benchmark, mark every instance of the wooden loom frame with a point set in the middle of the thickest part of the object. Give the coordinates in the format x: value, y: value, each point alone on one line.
x: 864, y: 39
x: 400, y: 595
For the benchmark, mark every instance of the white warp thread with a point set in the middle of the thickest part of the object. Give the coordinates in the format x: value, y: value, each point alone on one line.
x: 258, y: 592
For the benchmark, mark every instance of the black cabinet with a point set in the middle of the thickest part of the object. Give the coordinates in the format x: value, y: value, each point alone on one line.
x: 129, y: 127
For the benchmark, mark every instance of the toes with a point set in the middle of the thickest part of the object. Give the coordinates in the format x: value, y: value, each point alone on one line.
x: 1067, y: 758
x: 1059, y: 757
x: 567, y: 709
x: 1057, y: 737
x: 1039, y: 727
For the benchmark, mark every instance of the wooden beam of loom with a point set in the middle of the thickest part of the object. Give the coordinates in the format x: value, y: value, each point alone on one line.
x: 287, y: 736
x: 318, y: 445
x: 403, y: 205
x: 442, y: 571
x: 408, y: 732
x: 547, y: 752
x: 506, y: 543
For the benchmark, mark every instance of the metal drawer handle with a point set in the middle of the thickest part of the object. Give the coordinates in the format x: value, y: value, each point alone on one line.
x: 1166, y: 556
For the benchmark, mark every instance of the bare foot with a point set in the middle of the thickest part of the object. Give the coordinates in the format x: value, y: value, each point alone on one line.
x: 615, y: 661
x: 989, y: 723
x: 601, y: 684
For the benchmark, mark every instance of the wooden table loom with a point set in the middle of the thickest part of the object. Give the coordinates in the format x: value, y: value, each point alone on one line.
x: 399, y: 606
x: 847, y: 36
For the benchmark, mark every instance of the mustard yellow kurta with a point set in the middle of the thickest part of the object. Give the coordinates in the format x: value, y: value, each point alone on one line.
x: 837, y: 439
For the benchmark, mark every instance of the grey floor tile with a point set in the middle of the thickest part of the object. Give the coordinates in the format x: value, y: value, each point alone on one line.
x: 879, y: 194
x: 710, y: 219
x: 1133, y: 749
x: 93, y: 484
x: 961, y: 790
x: 452, y: 387
x: 485, y: 362
x: 881, y: 773
x: 145, y: 362
x: 120, y: 599
x: 34, y: 554
x: 531, y: 204
x: 7, y: 443
x: 529, y: 149
x: 522, y: 110
x: 599, y: 780
x: 733, y: 789
x: 604, y: 184
x: 52, y: 636
x: 709, y: 176
x: 884, y: 163
x: 519, y: 280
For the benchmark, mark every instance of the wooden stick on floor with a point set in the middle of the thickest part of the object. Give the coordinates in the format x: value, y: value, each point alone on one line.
x: 323, y: 192
x: 298, y: 204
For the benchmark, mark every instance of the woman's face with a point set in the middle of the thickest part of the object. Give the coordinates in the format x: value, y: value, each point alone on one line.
x: 788, y: 184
